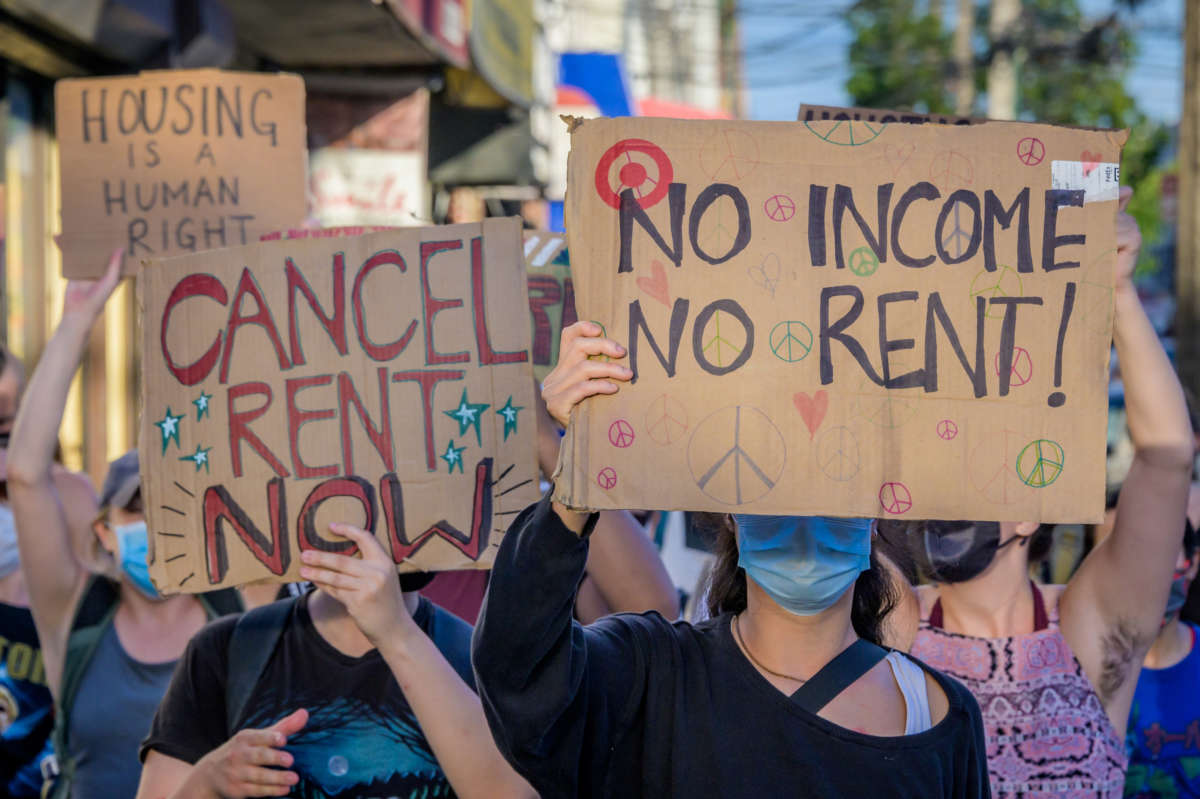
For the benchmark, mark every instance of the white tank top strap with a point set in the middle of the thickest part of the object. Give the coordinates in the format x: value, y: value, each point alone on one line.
x: 911, y: 679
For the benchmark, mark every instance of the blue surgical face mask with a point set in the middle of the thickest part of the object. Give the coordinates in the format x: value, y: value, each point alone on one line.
x: 804, y: 563
x: 132, y: 552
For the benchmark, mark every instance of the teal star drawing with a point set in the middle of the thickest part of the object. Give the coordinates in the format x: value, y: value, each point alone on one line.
x: 468, y: 414
x: 169, y: 427
x: 199, y: 457
x: 509, y: 414
x: 201, y: 404
x: 453, y: 457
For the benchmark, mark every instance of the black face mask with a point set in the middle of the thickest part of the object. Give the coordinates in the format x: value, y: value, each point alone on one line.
x: 415, y: 581
x: 954, y: 552
x: 4, y: 440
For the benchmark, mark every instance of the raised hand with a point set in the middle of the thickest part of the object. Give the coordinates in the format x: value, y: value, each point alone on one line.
x: 86, y: 298
x: 577, y: 376
x: 366, y: 586
x: 252, y: 762
x: 1129, y: 242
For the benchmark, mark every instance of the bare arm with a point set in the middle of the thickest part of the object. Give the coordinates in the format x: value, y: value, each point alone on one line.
x: 449, y: 712
x: 1112, y: 609
x: 53, y: 571
x: 626, y: 568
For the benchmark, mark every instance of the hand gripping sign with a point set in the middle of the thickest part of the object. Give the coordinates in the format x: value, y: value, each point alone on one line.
x: 806, y: 305
x: 377, y: 380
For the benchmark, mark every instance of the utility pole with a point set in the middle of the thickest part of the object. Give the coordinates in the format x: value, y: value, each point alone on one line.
x: 964, y: 59
x: 1187, y: 260
x: 1002, y: 71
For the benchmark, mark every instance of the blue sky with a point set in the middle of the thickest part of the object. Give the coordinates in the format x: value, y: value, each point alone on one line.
x: 796, y: 52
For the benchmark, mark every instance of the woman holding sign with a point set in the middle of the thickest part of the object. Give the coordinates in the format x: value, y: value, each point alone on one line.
x: 1054, y: 667
x: 785, y: 692
x: 109, y: 641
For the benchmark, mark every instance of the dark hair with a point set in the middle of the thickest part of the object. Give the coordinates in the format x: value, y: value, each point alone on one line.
x: 1190, y: 537
x: 874, y: 594
x: 1041, y: 542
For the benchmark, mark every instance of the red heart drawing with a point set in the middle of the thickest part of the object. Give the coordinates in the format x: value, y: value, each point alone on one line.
x: 656, y: 286
x: 1090, y: 161
x: 812, y: 409
x: 897, y: 155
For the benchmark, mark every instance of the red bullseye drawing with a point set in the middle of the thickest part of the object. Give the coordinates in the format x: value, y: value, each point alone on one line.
x: 1022, y: 367
x: 1030, y: 151
x: 947, y: 430
x: 607, y: 478
x: 895, y: 498
x: 779, y: 208
x: 620, y: 434
x: 634, y: 164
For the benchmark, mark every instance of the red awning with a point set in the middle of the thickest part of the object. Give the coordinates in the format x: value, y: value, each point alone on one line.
x: 654, y: 107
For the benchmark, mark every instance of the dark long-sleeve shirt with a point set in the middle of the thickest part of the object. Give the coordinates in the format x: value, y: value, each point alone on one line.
x: 634, y: 705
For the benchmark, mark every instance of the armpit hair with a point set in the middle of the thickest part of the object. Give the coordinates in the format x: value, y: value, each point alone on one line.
x: 1119, y: 651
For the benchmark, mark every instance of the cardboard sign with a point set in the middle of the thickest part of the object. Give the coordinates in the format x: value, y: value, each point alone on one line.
x: 176, y: 161
x: 876, y: 116
x: 378, y: 380
x: 551, y: 296
x: 845, y: 318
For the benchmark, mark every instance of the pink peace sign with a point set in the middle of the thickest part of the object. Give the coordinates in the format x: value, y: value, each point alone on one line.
x: 607, y: 478
x: 1022, y: 367
x: 779, y: 208
x: 620, y: 434
x: 1031, y: 151
x: 895, y: 498
x: 947, y: 430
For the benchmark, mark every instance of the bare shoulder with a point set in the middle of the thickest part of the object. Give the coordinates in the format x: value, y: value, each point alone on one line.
x: 939, y: 703
x: 76, y: 485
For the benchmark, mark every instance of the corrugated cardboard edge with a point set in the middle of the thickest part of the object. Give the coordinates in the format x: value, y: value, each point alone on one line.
x: 572, y: 122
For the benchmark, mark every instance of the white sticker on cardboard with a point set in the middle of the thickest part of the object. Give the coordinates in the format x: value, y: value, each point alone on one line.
x: 1100, y: 182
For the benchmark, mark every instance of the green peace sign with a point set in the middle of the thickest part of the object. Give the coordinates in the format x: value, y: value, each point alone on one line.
x: 1040, y: 463
x: 791, y: 341
x: 864, y: 262
x: 845, y: 132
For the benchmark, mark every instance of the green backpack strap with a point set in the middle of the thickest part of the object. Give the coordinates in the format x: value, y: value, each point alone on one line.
x: 93, y: 616
x: 254, y: 638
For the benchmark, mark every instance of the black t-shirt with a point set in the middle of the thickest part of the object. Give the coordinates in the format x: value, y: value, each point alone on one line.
x: 362, y: 739
x: 635, y: 706
x: 26, y: 709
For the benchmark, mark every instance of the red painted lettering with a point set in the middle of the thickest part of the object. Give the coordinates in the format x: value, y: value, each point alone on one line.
x: 219, y: 507
x: 378, y: 352
x: 239, y: 428
x: 248, y: 287
x: 435, y: 305
x: 306, y: 524
x: 334, y: 325
x: 471, y: 544
x: 297, y: 418
x: 192, y: 286
x: 428, y: 379
x: 381, y: 437
x: 483, y: 339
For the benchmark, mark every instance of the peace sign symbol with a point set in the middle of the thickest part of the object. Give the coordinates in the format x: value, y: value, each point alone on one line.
x: 632, y: 160
x: 766, y: 274
x: 666, y: 420
x: 959, y: 237
x: 1022, y: 367
x: 951, y: 168
x: 1030, y: 151
x: 895, y: 498
x: 736, y: 455
x: 837, y: 454
x: 779, y: 207
x: 1005, y: 282
x: 990, y: 466
x: 863, y: 262
x: 620, y: 434
x: 719, y: 348
x: 607, y: 478
x: 845, y: 132
x: 947, y: 430
x: 791, y: 341
x: 730, y: 155
x: 1040, y: 463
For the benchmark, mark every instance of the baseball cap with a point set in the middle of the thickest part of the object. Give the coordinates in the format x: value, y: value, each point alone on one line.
x: 121, y: 482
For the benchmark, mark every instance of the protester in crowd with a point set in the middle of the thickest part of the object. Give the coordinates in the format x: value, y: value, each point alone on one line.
x: 109, y: 642
x: 625, y: 572
x: 784, y: 692
x: 1054, y: 667
x: 359, y: 688
x: 1164, y: 724
x: 26, y: 707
